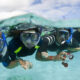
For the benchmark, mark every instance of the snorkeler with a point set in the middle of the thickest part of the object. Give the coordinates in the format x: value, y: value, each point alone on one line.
x: 69, y: 42
x: 25, y: 43
x: 34, y: 39
x: 8, y: 53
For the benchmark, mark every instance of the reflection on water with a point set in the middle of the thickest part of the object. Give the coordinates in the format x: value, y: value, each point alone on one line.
x: 21, y: 77
x: 44, y: 70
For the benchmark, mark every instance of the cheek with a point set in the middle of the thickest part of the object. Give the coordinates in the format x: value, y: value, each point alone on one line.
x: 59, y: 40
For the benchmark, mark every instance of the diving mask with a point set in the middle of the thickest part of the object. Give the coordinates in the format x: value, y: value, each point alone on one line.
x: 30, y: 39
x: 64, y: 34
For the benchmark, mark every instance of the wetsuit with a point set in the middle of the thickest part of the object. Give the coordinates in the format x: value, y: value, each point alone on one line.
x: 47, y: 42
x: 17, y: 49
x: 74, y: 43
x: 76, y: 35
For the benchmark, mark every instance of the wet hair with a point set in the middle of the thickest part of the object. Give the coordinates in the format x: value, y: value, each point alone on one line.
x: 16, y: 33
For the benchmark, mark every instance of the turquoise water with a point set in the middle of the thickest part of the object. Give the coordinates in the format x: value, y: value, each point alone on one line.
x: 44, y: 70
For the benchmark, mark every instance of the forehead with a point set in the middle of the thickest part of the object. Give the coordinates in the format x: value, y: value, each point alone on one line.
x: 30, y: 31
x: 63, y: 33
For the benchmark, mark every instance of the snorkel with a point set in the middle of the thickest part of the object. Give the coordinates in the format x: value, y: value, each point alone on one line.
x: 70, y: 37
x: 4, y: 45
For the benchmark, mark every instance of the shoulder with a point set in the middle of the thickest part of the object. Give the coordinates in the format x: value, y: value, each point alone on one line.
x: 15, y: 42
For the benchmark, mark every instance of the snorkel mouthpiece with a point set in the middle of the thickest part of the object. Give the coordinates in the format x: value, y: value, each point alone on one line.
x: 63, y: 42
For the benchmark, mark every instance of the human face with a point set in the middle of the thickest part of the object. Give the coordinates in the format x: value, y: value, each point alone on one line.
x: 62, y: 37
x: 29, y: 39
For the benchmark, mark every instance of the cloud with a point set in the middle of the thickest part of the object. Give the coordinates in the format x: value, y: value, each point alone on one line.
x: 36, y: 2
x: 50, y: 9
x: 4, y: 15
x: 11, y: 5
x: 55, y: 9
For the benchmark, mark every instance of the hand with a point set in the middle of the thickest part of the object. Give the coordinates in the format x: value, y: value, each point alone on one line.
x: 44, y: 54
x: 60, y: 56
x: 65, y: 55
x: 25, y: 64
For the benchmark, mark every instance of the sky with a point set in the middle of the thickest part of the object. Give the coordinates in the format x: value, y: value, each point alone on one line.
x: 49, y: 9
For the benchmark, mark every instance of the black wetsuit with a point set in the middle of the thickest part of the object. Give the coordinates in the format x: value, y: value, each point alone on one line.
x: 46, y: 43
x: 15, y: 43
x: 75, y: 42
x: 76, y: 35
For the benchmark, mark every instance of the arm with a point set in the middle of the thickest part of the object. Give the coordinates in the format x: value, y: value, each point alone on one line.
x: 42, y: 53
x: 12, y: 64
x: 75, y: 46
x: 50, y: 58
x: 8, y: 62
x: 11, y: 61
x: 23, y: 63
x: 74, y: 49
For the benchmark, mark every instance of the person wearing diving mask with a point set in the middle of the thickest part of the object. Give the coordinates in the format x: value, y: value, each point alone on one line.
x: 25, y: 43
x: 64, y: 36
x: 68, y: 42
x: 17, y: 48
x: 34, y: 39
x: 30, y: 38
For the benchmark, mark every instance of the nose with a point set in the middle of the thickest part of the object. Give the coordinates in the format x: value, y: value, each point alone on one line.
x: 28, y: 41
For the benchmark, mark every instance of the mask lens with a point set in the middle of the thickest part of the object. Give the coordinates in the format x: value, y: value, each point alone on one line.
x: 30, y: 36
x: 29, y: 39
x: 64, y: 34
x: 34, y: 37
x: 25, y: 35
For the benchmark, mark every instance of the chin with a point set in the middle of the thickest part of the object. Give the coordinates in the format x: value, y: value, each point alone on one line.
x: 29, y: 47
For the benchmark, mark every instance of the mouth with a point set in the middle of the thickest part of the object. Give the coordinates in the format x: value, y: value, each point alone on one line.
x: 29, y: 45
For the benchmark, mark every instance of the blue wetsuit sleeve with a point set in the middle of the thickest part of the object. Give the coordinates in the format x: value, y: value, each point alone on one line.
x: 6, y: 60
x: 5, y: 64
